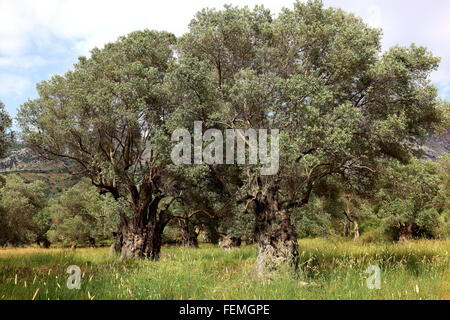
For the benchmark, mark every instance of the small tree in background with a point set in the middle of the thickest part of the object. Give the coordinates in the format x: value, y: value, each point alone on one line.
x: 19, y: 203
x: 405, y: 198
x: 42, y: 223
x: 81, y: 215
x: 313, y: 220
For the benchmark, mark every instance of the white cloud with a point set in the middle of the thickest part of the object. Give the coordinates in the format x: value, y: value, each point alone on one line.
x: 404, y: 22
x: 374, y: 16
x: 21, y: 62
x: 28, y: 24
x: 11, y: 84
x: 93, y: 23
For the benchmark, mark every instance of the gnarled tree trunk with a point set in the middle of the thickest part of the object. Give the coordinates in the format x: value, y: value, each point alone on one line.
x: 250, y: 240
x: 275, y: 233
x: 346, y: 229
x: 142, y: 233
x: 45, y: 242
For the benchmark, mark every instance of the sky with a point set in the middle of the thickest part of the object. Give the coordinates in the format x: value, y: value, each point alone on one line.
x: 41, y: 38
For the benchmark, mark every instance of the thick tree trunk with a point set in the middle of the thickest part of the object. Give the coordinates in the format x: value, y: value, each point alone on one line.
x: 346, y: 229
x: 44, y: 241
x: 139, y: 242
x: 275, y: 233
x: 212, y: 234
x: 116, y: 246
x: 142, y: 234
x: 405, y: 233
x: 189, y: 238
x: 134, y: 242
x: 92, y: 243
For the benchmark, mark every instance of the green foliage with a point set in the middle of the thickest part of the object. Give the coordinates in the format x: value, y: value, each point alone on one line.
x: 313, y: 220
x: 82, y: 215
x: 106, y: 114
x: 405, y: 199
x: 318, y: 75
x: 42, y: 223
x: 19, y: 203
x: 442, y: 201
x: 239, y: 225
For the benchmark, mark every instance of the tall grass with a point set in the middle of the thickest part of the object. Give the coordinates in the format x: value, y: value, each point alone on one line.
x: 329, y: 270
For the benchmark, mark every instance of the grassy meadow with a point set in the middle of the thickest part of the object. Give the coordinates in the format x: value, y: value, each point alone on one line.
x: 330, y: 270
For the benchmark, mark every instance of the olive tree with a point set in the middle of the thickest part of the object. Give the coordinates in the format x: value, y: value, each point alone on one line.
x: 108, y: 117
x: 19, y: 204
x: 317, y: 75
x: 405, y: 201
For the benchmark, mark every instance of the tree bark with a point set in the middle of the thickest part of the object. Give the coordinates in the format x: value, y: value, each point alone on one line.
x: 249, y: 240
x: 346, y: 229
x: 92, y: 243
x: 275, y: 233
x: 189, y: 238
x: 355, y: 230
x: 116, y: 246
x: 405, y: 233
x: 142, y: 233
x: 212, y: 234
x: 141, y: 242
x: 45, y: 243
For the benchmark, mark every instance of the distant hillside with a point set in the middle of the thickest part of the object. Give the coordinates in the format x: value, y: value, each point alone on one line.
x: 23, y: 162
x: 55, y: 182
x: 23, y: 159
x: 436, y: 146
